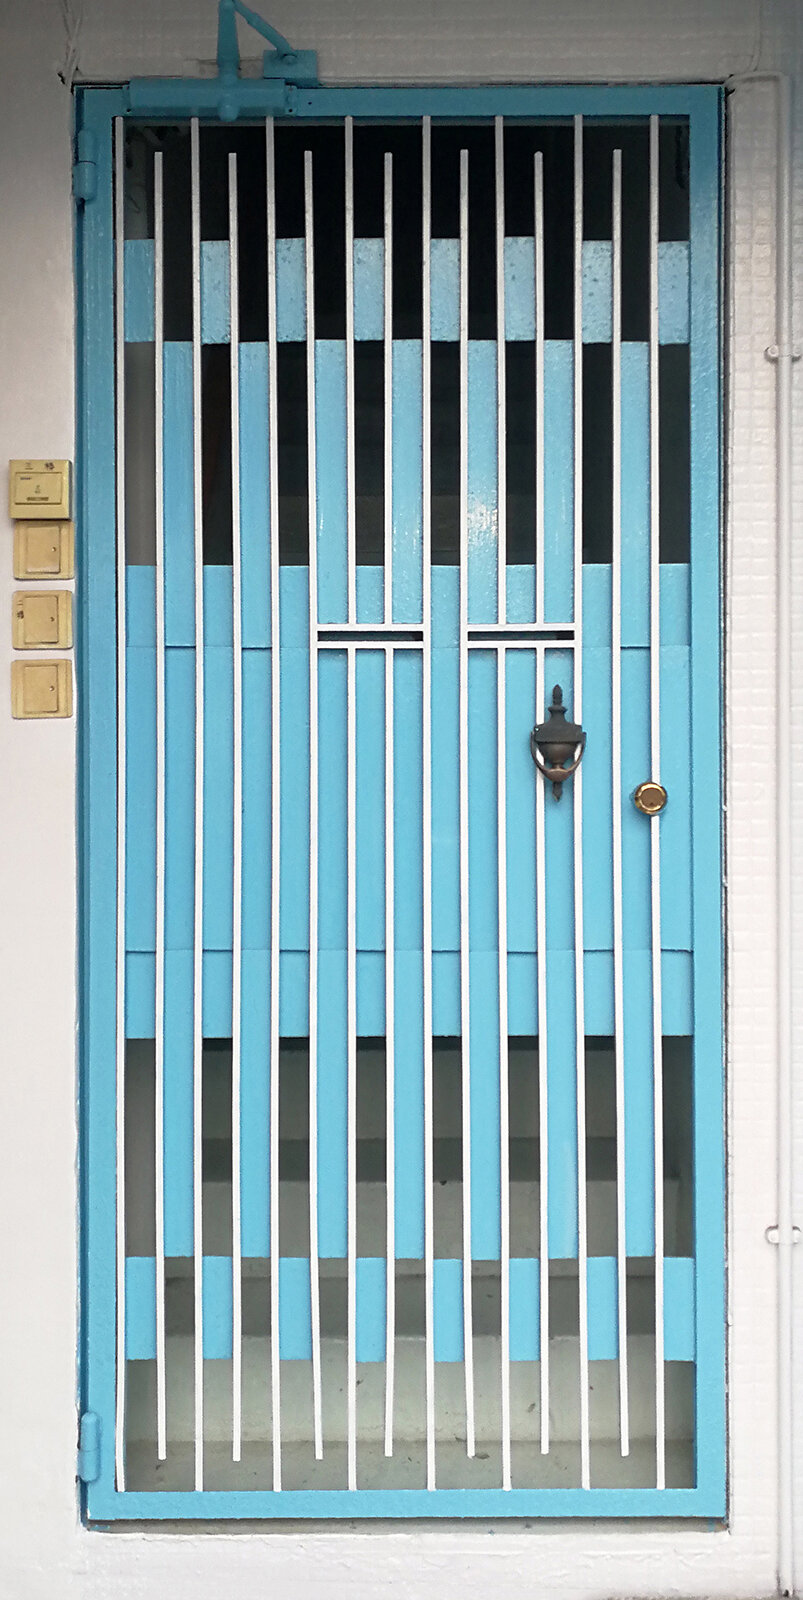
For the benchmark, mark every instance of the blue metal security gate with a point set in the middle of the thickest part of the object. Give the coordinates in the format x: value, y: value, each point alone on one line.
x: 403, y: 1096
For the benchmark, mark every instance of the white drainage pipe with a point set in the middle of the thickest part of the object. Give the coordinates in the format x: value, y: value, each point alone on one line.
x: 784, y: 1234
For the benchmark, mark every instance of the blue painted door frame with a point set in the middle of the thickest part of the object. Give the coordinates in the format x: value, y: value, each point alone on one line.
x: 97, y: 798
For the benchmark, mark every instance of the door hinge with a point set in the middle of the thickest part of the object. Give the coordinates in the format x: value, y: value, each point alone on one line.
x: 85, y: 170
x: 89, y: 1447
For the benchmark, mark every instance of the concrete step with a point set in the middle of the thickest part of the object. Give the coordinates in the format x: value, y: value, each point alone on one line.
x: 406, y: 1469
x: 410, y: 1420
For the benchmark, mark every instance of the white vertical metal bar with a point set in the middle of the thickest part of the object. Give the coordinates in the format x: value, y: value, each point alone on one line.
x: 426, y: 792
x: 616, y: 792
x: 501, y: 372
x: 540, y: 542
x: 275, y: 803
x: 504, y: 1085
x: 390, y: 922
x: 465, y: 955
x: 543, y: 1061
x: 198, y: 886
x: 351, y: 467
x: 390, y: 1055
x: 579, y: 936
x: 351, y: 1044
x: 237, y: 825
x: 784, y: 483
x: 159, y: 982
x: 655, y: 825
x: 540, y: 850
x: 388, y: 335
x: 120, y: 580
x: 390, y: 929
x: 312, y: 505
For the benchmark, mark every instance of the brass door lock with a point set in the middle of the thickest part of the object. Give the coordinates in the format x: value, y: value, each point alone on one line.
x: 650, y: 798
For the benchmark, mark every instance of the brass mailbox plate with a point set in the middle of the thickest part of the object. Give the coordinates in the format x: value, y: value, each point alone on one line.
x: 43, y: 550
x: 41, y: 689
x: 39, y: 489
x: 41, y: 619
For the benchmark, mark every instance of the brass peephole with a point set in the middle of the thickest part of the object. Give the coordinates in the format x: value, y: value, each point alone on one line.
x: 650, y: 797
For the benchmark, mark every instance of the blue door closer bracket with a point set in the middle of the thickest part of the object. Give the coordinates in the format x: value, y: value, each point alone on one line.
x: 294, y: 66
x: 228, y: 95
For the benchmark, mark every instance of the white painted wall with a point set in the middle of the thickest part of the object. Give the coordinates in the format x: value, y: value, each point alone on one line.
x: 44, y: 1553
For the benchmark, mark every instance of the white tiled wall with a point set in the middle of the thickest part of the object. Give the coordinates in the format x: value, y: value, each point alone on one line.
x: 44, y: 1554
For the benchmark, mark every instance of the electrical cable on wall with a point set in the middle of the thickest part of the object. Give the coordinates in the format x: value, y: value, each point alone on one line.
x: 72, y: 17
